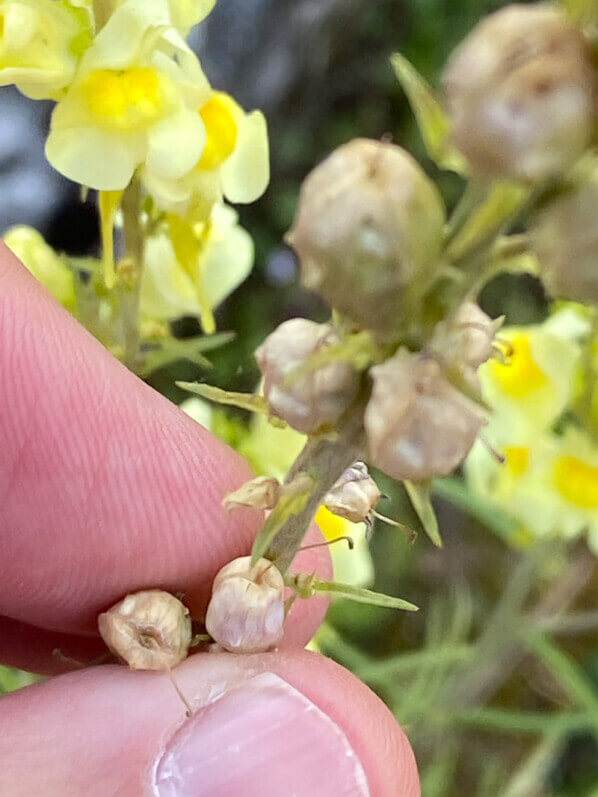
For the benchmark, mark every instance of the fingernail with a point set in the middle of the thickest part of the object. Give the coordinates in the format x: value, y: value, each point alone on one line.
x: 261, y: 739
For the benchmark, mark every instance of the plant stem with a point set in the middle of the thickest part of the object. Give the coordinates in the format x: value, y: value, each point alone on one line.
x: 324, y: 460
x: 134, y: 247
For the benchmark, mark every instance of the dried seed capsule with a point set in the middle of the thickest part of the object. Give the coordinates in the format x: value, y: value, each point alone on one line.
x: 471, y: 333
x: 246, y: 610
x: 519, y: 91
x: 369, y: 225
x: 262, y: 492
x: 150, y: 630
x: 564, y: 236
x: 314, y: 400
x: 355, y: 495
x: 463, y: 342
x: 418, y: 425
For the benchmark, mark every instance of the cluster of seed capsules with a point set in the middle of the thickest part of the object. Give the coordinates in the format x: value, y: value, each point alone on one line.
x: 369, y: 236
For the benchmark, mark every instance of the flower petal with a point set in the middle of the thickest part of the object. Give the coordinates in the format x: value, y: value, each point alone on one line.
x: 94, y: 157
x: 167, y: 291
x: 227, y: 261
x: 246, y: 173
x: 175, y: 144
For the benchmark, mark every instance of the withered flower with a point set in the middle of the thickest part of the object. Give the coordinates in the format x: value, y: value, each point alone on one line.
x: 309, y: 401
x: 149, y: 630
x: 418, y: 425
x: 246, y: 610
x: 520, y: 93
x: 368, y: 228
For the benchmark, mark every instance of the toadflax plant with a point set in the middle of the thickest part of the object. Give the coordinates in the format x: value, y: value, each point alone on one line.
x: 398, y: 377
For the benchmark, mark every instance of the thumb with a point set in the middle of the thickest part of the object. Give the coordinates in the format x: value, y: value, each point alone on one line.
x: 268, y: 725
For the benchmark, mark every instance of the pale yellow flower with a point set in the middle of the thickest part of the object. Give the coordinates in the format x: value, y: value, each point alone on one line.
x: 571, y: 476
x: 220, y: 257
x: 133, y: 101
x: 549, y: 483
x: 40, y: 44
x: 187, y: 13
x: 43, y: 262
x: 532, y: 387
x: 234, y: 162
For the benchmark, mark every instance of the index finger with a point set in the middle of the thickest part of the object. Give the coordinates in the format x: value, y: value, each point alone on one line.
x: 105, y: 486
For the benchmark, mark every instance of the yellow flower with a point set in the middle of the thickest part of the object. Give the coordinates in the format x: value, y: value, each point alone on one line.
x: 234, y: 162
x: 187, y: 13
x: 43, y: 262
x: 350, y: 566
x: 40, y: 44
x: 214, y: 258
x: 532, y: 387
x: 549, y: 483
x: 572, y: 476
x: 132, y: 102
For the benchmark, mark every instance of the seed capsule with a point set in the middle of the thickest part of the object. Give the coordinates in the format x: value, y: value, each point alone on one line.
x: 519, y: 92
x: 246, y: 610
x: 355, y: 495
x: 369, y: 225
x: 418, y: 425
x: 314, y: 400
x: 149, y: 630
x: 564, y: 236
x: 262, y: 492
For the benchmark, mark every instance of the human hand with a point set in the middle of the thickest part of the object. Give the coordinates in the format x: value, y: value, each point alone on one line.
x: 107, y: 488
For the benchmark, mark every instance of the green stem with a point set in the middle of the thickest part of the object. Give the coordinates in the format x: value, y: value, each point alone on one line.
x: 324, y: 460
x: 134, y: 247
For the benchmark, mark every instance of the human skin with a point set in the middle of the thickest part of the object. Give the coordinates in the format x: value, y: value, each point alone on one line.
x: 107, y: 488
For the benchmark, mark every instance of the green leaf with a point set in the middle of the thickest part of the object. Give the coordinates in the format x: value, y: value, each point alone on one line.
x: 433, y: 122
x: 361, y: 595
x: 157, y: 353
x: 567, y: 673
x: 245, y: 401
x: 419, y: 495
x: 506, y: 721
x: 291, y: 502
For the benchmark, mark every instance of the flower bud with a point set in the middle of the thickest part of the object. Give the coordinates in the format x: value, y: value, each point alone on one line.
x: 43, y: 262
x: 369, y: 224
x: 564, y: 237
x: 519, y: 91
x: 311, y: 401
x: 246, y: 610
x: 418, y: 425
x: 355, y: 495
x: 150, y: 630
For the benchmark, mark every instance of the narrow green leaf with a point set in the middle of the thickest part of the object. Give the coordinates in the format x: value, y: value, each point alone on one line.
x: 157, y: 353
x: 361, y: 595
x: 419, y: 495
x: 433, y: 122
x: 290, y: 503
x: 245, y: 401
x: 506, y: 721
x: 533, y: 773
x: 567, y: 673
